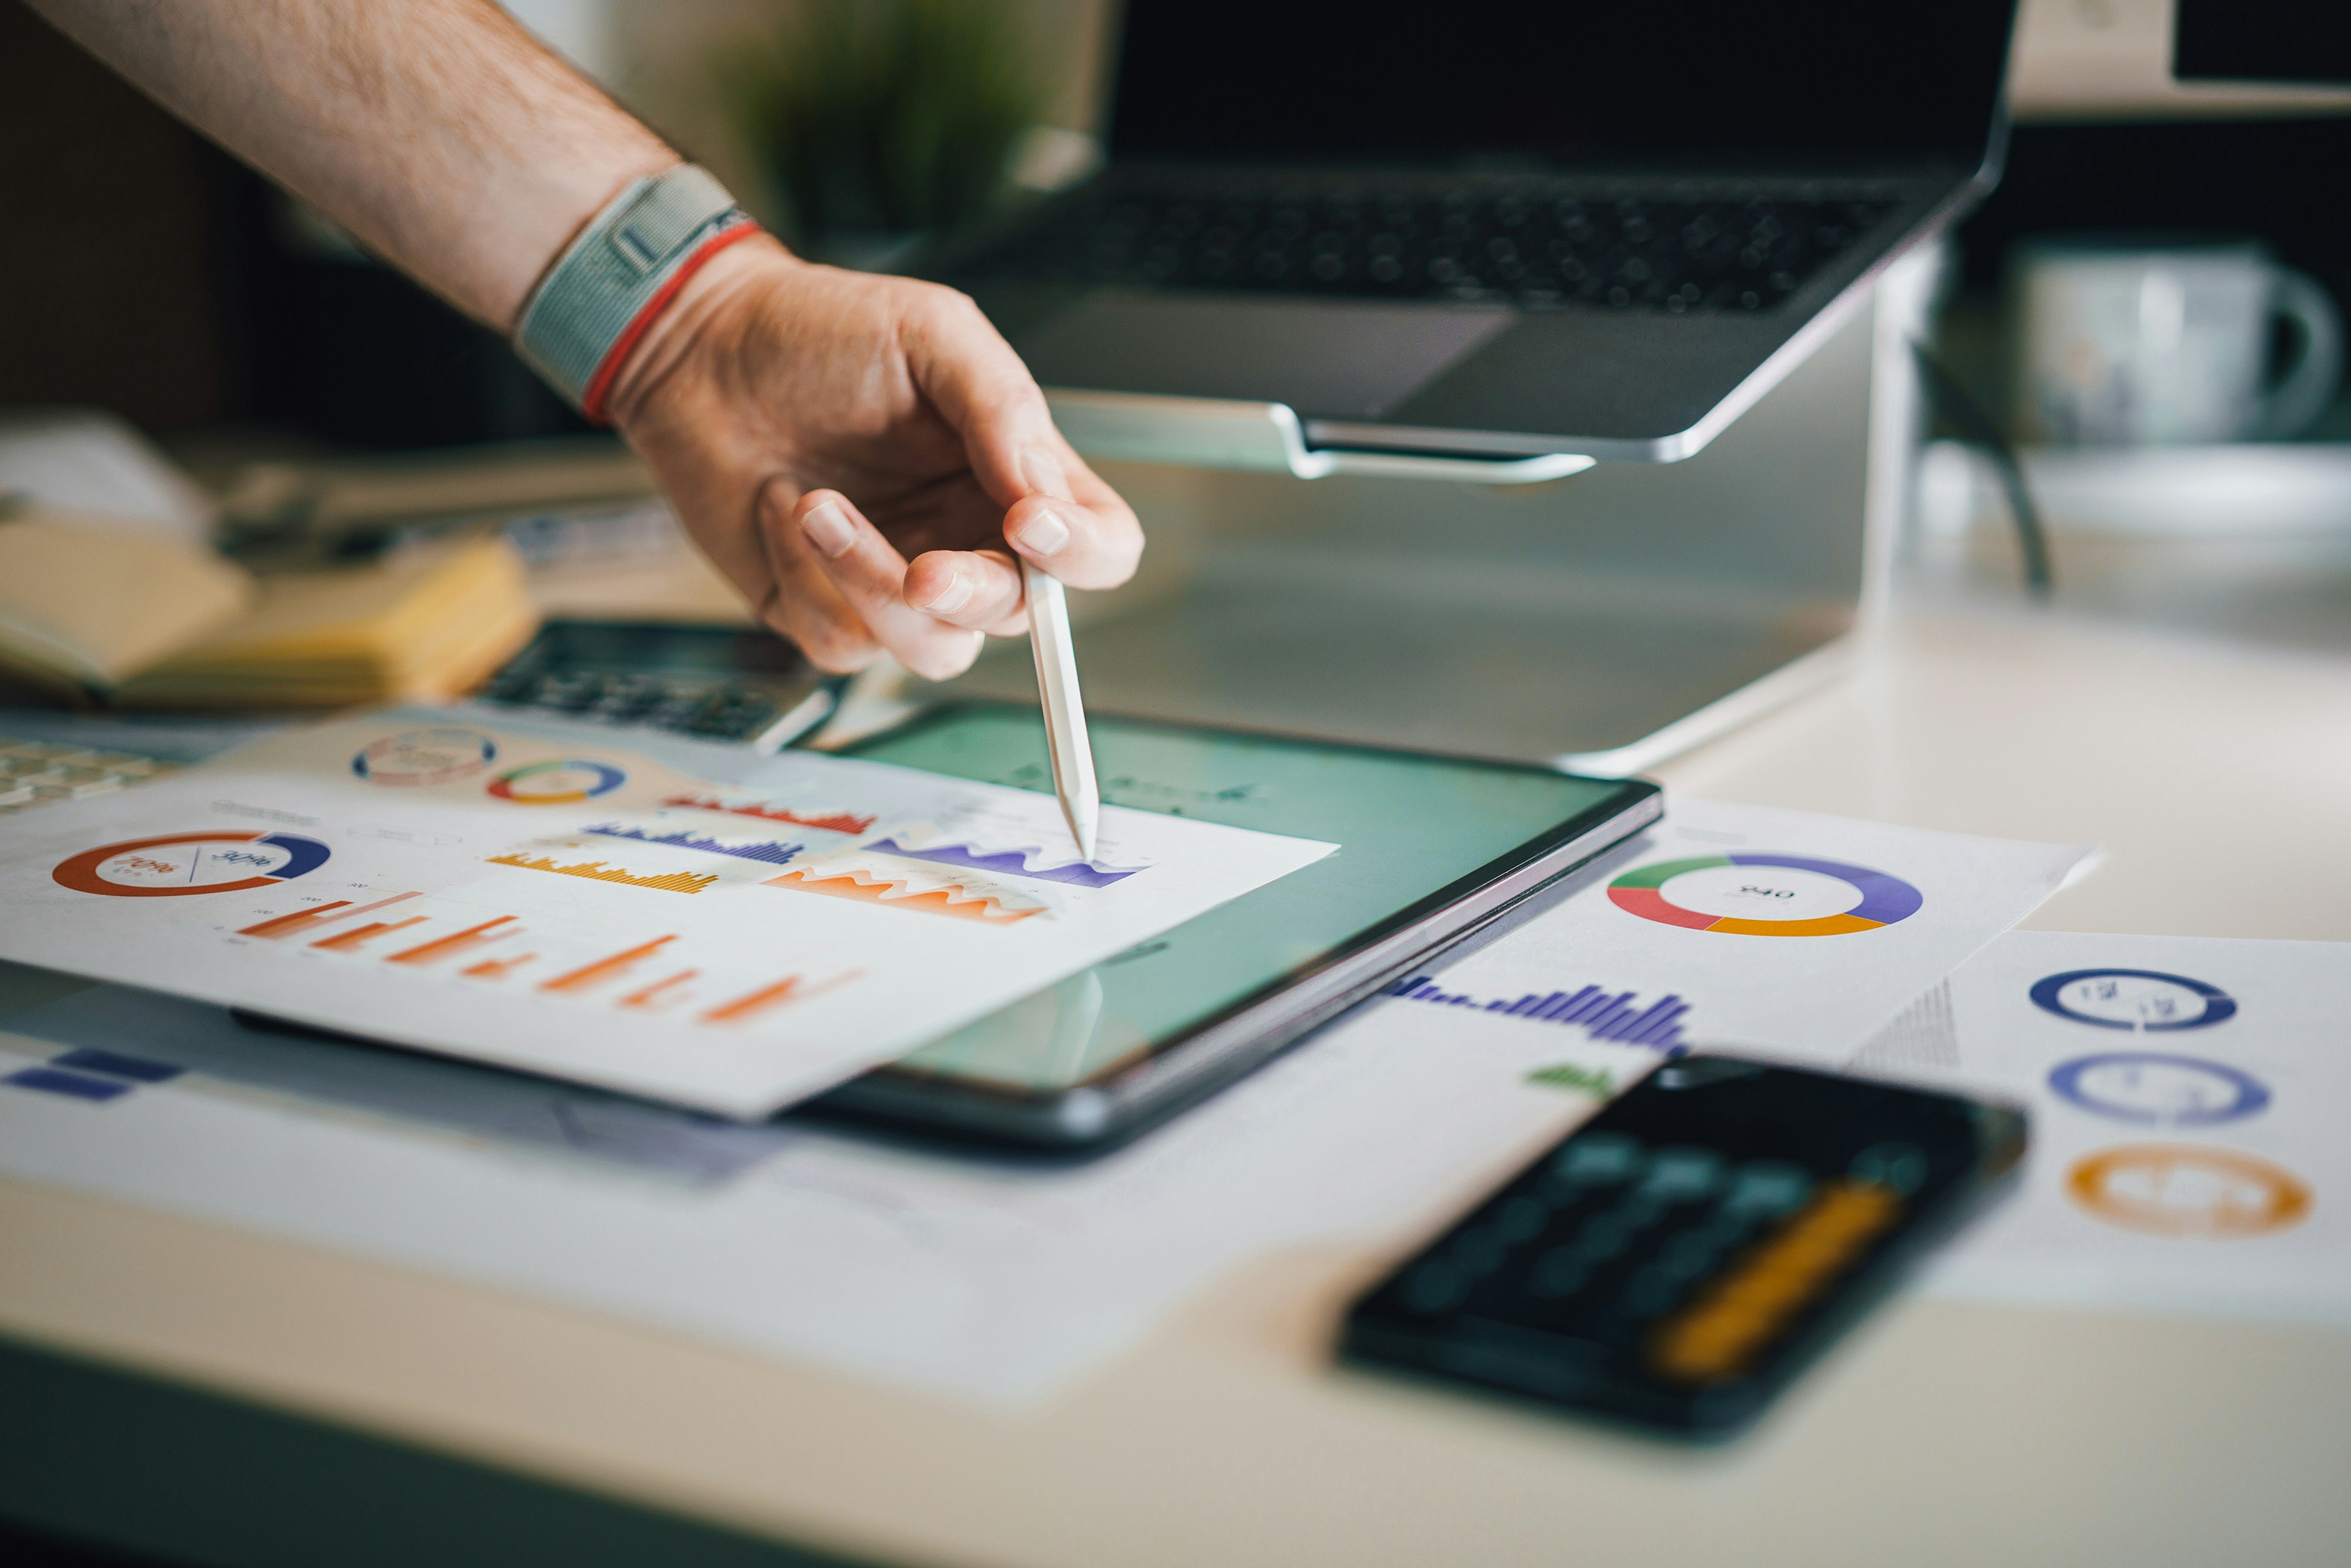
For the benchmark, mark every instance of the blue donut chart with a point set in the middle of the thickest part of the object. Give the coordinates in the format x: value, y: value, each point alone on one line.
x: 2048, y: 995
x: 2251, y: 1095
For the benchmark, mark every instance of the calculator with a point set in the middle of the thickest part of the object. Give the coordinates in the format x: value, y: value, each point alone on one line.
x: 719, y: 683
x: 1676, y: 1260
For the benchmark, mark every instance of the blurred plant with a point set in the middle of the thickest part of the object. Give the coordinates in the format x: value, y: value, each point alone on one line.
x: 887, y: 118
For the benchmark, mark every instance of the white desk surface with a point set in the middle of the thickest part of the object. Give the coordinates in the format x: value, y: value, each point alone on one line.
x: 2219, y: 779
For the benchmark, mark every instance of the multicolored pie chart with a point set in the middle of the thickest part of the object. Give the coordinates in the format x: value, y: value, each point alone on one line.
x: 1765, y: 895
x: 557, y: 781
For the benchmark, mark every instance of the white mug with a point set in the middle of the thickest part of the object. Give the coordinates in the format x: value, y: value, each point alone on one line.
x: 2124, y: 341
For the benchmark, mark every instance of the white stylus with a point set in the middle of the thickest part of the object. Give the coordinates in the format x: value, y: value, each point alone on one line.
x: 1065, y: 710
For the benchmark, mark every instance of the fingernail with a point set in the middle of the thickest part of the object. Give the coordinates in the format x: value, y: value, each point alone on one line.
x: 1041, y: 533
x: 830, y: 529
x: 950, y: 599
x: 1044, y: 473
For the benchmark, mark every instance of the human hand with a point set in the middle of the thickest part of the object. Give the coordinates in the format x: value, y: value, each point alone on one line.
x: 855, y: 453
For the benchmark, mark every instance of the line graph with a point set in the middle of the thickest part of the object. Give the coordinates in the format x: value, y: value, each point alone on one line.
x: 1595, y: 1011
x: 825, y: 821
x: 597, y: 870
x: 894, y: 893
x: 1008, y: 863
x: 770, y: 854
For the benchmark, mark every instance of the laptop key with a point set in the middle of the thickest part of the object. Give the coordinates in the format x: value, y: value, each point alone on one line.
x: 1521, y: 245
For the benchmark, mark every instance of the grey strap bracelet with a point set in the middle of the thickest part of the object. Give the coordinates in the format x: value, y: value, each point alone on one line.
x: 608, y: 285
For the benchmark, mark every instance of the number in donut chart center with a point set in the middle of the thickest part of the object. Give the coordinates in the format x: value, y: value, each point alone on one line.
x: 1761, y: 893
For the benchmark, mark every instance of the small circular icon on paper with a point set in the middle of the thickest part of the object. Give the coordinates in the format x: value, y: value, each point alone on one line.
x: 2159, y: 1089
x: 177, y: 864
x: 2189, y: 1191
x: 557, y: 781
x: 419, y: 756
x: 2133, y: 999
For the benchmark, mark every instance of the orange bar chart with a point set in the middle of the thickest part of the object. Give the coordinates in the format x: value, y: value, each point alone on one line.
x: 448, y: 946
x: 359, y: 935
x: 603, y: 970
x: 743, y: 1007
x: 294, y: 925
x: 652, y: 996
x: 497, y: 968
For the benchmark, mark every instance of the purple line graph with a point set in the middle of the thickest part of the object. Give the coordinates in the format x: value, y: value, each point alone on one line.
x: 770, y: 854
x: 1008, y: 863
x: 1601, y: 1014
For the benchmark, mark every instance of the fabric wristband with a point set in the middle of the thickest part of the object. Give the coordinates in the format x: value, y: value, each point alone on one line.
x: 606, y: 288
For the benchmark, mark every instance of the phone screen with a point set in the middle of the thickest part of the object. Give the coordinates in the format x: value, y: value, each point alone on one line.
x: 1407, y: 827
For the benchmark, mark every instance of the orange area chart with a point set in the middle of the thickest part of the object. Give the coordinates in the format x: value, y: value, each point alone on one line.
x: 895, y: 893
x: 830, y: 822
x: 597, y: 870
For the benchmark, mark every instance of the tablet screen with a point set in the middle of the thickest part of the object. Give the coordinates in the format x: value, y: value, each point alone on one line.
x: 1408, y: 827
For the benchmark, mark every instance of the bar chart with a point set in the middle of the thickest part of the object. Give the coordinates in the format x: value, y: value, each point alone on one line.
x: 656, y: 973
x: 1600, y: 1013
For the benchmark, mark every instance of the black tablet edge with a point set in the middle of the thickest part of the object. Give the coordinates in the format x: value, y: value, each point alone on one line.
x: 1181, y: 1072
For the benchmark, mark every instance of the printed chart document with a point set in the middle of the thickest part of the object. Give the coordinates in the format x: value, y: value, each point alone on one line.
x: 1736, y: 927
x: 681, y: 920
x: 2186, y: 1097
x: 999, y: 1284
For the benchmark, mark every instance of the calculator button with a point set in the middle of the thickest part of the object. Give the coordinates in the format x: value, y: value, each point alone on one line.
x: 1683, y: 1175
x: 1435, y: 1287
x: 1522, y: 1219
x: 1765, y: 1187
x: 1559, y: 1272
x: 1599, y: 1159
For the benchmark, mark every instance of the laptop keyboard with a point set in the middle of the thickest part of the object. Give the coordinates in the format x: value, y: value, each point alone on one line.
x: 1534, y: 248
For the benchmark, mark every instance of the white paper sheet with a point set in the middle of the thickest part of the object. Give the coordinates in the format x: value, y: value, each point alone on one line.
x: 698, y: 924
x: 1746, y: 926
x: 2187, y: 1098
x: 999, y: 1282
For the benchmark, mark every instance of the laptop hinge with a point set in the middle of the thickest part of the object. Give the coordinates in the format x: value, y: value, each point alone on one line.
x: 1261, y: 438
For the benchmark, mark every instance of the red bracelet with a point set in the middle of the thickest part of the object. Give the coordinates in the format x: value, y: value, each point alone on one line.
x: 591, y: 402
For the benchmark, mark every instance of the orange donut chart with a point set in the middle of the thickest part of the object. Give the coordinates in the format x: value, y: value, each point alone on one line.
x: 2186, y: 1189
x: 198, y: 862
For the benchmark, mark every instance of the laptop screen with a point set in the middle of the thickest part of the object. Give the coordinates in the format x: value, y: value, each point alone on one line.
x: 1730, y: 82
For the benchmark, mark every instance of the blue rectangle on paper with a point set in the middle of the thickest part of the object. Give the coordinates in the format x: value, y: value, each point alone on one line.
x: 114, y: 1064
x: 75, y: 1085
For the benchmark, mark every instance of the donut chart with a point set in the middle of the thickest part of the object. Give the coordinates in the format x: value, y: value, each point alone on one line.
x: 2141, y: 1000
x: 1765, y: 895
x: 557, y: 781
x: 425, y: 757
x: 176, y: 865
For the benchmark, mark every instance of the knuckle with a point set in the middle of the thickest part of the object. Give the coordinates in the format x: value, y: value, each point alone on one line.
x: 833, y: 648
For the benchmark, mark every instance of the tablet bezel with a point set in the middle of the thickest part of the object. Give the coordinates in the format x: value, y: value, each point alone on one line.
x: 1177, y: 1070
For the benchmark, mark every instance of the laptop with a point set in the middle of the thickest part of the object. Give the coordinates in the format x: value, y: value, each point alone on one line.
x: 1499, y: 232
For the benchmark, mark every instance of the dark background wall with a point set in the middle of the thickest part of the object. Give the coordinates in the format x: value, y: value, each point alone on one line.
x: 151, y: 274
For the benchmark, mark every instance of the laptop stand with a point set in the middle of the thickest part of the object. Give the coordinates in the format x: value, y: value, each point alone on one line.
x: 1601, y: 617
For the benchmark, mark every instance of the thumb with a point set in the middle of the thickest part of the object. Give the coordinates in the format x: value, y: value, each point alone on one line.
x: 988, y: 397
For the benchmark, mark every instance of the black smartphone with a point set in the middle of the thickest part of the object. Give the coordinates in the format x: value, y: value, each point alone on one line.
x: 1676, y: 1260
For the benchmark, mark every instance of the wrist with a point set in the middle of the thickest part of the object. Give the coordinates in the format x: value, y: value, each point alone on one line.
x: 698, y: 312
x: 620, y: 276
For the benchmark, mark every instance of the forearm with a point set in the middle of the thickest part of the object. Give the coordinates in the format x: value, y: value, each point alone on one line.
x: 442, y: 135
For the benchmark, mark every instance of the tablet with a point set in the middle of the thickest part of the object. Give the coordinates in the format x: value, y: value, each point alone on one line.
x: 1430, y: 849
